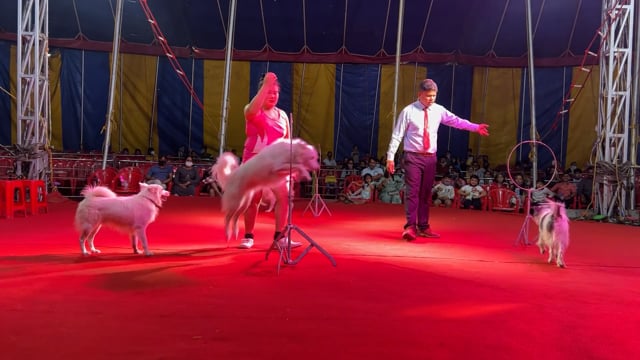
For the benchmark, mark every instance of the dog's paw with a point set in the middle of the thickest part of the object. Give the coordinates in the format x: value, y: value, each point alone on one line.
x: 148, y: 253
x: 95, y: 251
x: 136, y: 251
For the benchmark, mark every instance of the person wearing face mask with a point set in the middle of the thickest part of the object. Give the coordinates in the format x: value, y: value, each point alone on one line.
x: 186, y: 178
x: 161, y: 173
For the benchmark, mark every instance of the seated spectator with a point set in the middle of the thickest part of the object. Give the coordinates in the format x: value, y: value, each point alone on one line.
x: 498, y: 182
x: 186, y: 179
x: 355, y: 154
x: 348, y: 169
x: 442, y: 167
x: 330, y: 181
x: 540, y: 195
x: 329, y: 161
x: 359, y: 192
x: 210, y: 185
x: 472, y: 194
x: 390, y: 188
x: 374, y: 170
x: 444, y: 192
x: 565, y: 191
x: 584, y: 185
x: 161, y: 173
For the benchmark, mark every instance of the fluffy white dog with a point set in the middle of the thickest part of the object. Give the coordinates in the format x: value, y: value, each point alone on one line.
x: 553, y: 236
x: 266, y: 170
x: 129, y: 214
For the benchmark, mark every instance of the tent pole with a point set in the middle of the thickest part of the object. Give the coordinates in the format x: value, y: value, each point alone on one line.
x: 112, y: 85
x: 398, y: 53
x: 227, y: 74
x: 532, y: 96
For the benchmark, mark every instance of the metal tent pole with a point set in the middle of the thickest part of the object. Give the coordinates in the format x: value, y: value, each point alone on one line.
x: 532, y: 95
x: 112, y: 85
x: 227, y: 74
x: 398, y: 54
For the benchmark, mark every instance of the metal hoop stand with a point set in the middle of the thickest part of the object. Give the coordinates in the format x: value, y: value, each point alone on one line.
x: 523, y: 236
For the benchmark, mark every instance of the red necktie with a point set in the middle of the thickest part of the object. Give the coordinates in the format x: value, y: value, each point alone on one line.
x: 425, y: 134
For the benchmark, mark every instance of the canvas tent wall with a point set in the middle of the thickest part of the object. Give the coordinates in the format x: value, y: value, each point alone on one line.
x: 328, y: 56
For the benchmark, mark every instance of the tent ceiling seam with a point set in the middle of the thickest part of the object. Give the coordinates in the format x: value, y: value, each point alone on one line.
x: 495, y: 38
x: 386, y: 26
x: 75, y: 10
x: 426, y: 23
x: 264, y: 24
x: 224, y: 25
x: 344, y: 25
x: 573, y: 27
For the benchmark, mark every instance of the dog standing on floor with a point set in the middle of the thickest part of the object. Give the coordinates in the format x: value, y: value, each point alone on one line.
x: 269, y: 168
x: 553, y: 236
x: 129, y: 214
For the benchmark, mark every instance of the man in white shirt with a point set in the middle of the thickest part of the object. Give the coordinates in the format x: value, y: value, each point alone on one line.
x: 374, y: 170
x: 417, y: 126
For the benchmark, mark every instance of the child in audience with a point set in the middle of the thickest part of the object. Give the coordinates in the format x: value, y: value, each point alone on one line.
x: 390, y: 188
x: 472, y: 193
x: 444, y: 192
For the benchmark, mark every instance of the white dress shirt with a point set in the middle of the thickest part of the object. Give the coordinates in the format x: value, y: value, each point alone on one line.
x: 410, y: 127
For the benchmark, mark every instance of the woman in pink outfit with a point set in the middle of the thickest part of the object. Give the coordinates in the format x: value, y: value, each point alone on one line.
x: 265, y: 123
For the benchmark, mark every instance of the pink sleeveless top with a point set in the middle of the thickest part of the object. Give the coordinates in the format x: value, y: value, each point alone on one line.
x: 262, y: 131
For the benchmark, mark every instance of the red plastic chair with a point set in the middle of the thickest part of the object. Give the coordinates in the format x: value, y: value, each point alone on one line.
x: 35, y: 196
x: 503, y: 199
x: 102, y: 177
x: 12, y: 198
x: 128, y: 180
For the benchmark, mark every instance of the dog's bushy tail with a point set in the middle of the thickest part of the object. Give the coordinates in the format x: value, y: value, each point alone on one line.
x: 98, y: 191
x: 222, y: 169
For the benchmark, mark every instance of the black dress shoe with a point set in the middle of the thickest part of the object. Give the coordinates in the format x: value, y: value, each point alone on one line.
x: 427, y: 233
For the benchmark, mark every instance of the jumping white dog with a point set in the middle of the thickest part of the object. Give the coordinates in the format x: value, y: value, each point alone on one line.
x: 129, y: 214
x: 553, y: 225
x: 267, y: 169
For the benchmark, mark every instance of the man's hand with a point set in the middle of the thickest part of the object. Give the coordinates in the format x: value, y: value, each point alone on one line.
x: 391, y: 166
x: 483, y: 129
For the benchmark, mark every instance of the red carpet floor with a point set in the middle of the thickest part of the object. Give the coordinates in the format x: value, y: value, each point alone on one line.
x: 470, y: 295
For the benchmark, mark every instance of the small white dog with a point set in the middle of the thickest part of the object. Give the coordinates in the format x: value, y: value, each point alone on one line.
x: 129, y: 214
x: 553, y: 236
x: 267, y: 169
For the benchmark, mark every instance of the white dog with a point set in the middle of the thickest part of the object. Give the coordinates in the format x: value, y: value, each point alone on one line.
x: 266, y: 170
x: 553, y: 236
x: 130, y: 214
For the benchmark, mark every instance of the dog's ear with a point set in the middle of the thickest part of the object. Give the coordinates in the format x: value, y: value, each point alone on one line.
x: 143, y: 185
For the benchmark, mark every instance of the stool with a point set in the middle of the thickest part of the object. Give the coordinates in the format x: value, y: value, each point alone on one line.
x: 35, y: 196
x: 12, y: 198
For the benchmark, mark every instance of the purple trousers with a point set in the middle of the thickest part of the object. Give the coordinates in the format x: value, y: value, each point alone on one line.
x: 419, y: 174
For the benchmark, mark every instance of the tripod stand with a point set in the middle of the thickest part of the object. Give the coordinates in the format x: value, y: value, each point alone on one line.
x: 523, y: 236
x: 285, y: 250
x: 316, y: 204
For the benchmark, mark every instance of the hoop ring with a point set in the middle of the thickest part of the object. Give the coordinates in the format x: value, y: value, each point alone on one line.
x: 518, y: 145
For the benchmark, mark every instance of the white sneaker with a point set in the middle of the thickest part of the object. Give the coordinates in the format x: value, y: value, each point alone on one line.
x: 282, y: 243
x: 246, y: 243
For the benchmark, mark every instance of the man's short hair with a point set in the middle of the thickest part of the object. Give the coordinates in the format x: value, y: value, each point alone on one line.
x: 428, y: 84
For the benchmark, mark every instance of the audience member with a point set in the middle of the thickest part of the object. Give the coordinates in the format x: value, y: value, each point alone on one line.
x: 472, y: 194
x: 390, y: 188
x: 161, y: 173
x: 444, y: 192
x: 374, y: 170
x: 565, y: 191
x: 185, y: 179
